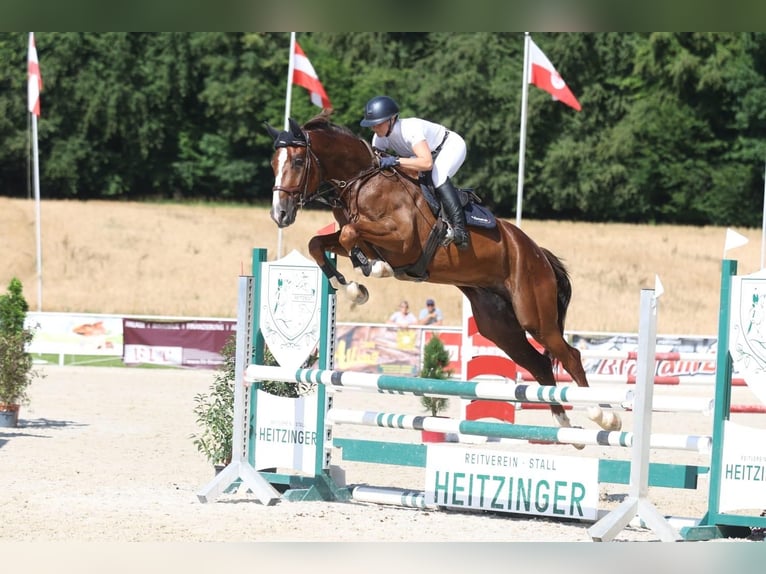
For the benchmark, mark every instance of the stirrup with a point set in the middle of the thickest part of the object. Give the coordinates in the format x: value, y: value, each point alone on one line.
x: 449, y: 237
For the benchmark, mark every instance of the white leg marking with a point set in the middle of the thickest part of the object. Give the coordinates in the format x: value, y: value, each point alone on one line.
x: 381, y: 269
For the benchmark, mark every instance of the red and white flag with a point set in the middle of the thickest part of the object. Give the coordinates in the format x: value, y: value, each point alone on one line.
x: 35, y: 80
x: 305, y: 76
x: 543, y: 75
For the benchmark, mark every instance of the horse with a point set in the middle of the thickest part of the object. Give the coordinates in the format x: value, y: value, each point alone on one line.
x: 386, y: 225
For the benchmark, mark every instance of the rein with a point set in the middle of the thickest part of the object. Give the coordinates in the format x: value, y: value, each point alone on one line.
x: 322, y: 194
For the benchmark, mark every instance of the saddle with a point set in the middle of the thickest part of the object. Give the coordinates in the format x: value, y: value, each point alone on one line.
x: 476, y: 215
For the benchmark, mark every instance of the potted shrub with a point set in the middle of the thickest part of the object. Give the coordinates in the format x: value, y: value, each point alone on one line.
x: 16, y: 372
x: 215, y: 411
x: 435, y: 361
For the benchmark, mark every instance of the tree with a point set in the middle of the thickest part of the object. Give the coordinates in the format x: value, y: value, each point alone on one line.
x: 16, y: 366
x: 435, y: 362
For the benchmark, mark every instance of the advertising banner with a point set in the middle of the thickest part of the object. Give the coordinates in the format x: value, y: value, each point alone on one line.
x: 513, y: 482
x: 286, y: 432
x: 378, y: 349
x: 628, y: 343
x: 73, y: 334
x: 196, y: 343
x: 743, y: 480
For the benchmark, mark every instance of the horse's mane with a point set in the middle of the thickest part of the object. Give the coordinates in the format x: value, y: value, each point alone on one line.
x: 321, y: 121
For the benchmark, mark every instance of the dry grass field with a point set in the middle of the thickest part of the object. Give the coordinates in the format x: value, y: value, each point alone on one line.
x: 183, y: 260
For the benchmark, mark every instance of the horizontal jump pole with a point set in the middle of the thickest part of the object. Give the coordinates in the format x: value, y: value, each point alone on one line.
x: 386, y: 495
x: 420, y: 386
x: 417, y: 499
x: 660, y: 404
x: 631, y: 379
x: 563, y: 435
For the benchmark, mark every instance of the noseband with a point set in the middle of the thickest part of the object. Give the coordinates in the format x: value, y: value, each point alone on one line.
x: 302, y: 187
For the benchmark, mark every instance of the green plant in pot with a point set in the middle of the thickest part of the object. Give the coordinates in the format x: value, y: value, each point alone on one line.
x: 435, y: 363
x: 16, y: 365
x: 215, y: 411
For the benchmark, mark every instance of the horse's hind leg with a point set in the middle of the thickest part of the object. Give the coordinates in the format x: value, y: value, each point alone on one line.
x: 570, y: 359
x: 496, y: 321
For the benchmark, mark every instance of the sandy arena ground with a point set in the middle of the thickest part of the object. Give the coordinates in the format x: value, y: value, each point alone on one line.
x: 104, y: 454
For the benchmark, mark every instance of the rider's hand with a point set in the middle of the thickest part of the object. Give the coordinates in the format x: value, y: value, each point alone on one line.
x: 388, y: 162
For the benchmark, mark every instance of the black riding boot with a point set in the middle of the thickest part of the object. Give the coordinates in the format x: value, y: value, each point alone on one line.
x: 448, y: 196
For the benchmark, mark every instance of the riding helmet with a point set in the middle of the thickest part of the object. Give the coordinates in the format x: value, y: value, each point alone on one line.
x: 378, y: 110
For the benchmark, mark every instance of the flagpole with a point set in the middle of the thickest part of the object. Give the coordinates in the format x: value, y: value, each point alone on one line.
x: 34, y: 87
x: 36, y: 175
x: 523, y: 129
x: 288, y: 99
x: 29, y: 157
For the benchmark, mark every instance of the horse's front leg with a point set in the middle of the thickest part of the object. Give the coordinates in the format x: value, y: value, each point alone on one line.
x: 319, y: 245
x: 351, y: 236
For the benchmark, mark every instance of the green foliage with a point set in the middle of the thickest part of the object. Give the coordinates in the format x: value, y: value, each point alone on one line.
x: 16, y: 364
x: 435, y: 362
x: 672, y: 128
x: 13, y: 308
x: 278, y: 388
x: 215, y: 410
x: 285, y: 389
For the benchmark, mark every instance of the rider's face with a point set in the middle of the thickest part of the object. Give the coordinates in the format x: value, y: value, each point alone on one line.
x: 381, y: 129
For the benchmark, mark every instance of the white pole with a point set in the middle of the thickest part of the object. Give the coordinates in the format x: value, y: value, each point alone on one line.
x: 523, y: 130
x: 288, y: 99
x: 763, y: 221
x: 638, y: 503
x: 37, y: 215
x: 290, y: 69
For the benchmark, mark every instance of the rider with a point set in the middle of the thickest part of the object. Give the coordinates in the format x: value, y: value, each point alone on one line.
x: 423, y: 146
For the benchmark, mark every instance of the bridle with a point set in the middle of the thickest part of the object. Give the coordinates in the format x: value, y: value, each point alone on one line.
x: 320, y: 194
x: 302, y: 187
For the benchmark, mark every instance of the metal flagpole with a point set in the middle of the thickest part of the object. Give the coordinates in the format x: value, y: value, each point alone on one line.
x: 37, y: 215
x: 288, y: 99
x: 523, y: 131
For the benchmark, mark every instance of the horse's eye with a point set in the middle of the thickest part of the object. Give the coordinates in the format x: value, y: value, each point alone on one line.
x: 299, y: 162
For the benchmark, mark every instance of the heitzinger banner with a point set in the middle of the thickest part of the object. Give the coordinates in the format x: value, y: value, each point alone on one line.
x: 514, y: 482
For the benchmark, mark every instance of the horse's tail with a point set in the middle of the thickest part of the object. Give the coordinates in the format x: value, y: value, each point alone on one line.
x: 564, y: 290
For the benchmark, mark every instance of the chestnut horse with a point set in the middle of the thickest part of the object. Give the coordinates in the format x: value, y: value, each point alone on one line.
x: 514, y: 286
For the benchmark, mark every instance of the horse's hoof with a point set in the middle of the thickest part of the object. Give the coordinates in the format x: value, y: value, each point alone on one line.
x: 611, y: 421
x: 596, y: 414
x: 363, y: 296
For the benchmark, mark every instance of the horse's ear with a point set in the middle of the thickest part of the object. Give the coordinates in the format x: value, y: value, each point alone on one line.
x: 272, y: 132
x: 296, y: 129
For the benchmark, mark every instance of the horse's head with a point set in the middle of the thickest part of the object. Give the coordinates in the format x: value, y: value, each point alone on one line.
x: 295, y: 181
x: 306, y: 156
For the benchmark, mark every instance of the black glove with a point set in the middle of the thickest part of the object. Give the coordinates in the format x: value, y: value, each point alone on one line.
x: 388, y: 161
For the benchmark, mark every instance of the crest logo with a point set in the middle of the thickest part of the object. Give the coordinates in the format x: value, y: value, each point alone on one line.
x: 747, y: 331
x: 290, y: 312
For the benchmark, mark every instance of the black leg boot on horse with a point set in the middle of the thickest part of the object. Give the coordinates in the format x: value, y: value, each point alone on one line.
x: 447, y: 194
